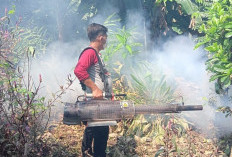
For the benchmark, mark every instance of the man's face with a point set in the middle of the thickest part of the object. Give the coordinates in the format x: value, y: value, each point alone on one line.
x: 103, y: 39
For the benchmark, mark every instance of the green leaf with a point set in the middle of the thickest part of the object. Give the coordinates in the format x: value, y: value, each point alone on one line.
x: 120, y: 38
x: 228, y: 35
x: 31, y: 50
x: 212, y: 30
x: 210, y: 48
x: 214, y: 77
x: 213, y: 60
x: 215, y: 21
x: 223, y: 78
x: 217, y: 69
x: 136, y: 80
x: 12, y: 11
x: 227, y: 150
x: 188, y: 6
x: 229, y: 66
x: 228, y: 25
x: 177, y: 30
x: 226, y: 82
x: 119, y: 46
x: 124, y: 55
x: 199, y: 44
x: 202, y: 28
x: 159, y: 152
x: 128, y: 47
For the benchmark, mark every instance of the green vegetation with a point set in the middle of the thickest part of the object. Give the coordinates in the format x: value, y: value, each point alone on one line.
x: 24, y: 113
x: 217, y: 41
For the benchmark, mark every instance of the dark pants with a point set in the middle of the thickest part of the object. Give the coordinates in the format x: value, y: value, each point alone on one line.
x: 100, y: 136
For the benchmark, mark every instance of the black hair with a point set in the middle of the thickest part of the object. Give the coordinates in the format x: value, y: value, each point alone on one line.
x: 94, y: 30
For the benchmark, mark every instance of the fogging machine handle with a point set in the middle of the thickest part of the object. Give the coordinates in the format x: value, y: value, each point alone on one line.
x: 105, y: 95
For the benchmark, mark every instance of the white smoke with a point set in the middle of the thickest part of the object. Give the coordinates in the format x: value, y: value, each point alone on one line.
x: 58, y: 62
x: 54, y: 66
x: 179, y: 61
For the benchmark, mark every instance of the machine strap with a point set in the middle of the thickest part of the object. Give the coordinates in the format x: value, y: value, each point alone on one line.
x: 102, y: 73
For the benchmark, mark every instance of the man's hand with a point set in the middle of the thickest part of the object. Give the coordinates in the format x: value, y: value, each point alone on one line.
x: 97, y: 94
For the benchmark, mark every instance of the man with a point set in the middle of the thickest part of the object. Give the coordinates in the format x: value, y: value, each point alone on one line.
x: 89, y: 71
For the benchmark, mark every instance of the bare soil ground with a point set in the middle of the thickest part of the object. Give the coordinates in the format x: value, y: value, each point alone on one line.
x: 192, y: 145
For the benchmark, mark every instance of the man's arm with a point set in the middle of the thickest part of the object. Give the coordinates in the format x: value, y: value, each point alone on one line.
x: 97, y: 93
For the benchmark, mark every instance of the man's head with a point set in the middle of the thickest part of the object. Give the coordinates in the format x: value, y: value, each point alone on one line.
x: 97, y: 33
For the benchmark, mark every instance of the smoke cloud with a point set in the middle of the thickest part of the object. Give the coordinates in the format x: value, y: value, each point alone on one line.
x: 186, y: 66
x: 56, y: 64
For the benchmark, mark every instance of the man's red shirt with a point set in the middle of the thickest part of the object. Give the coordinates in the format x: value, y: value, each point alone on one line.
x: 87, y: 59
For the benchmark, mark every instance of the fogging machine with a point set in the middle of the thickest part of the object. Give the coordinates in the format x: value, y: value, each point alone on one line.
x: 107, y: 112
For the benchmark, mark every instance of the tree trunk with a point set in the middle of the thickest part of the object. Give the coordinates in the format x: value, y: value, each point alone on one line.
x: 59, y: 20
